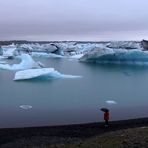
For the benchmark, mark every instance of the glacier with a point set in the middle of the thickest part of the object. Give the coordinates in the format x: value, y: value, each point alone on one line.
x: 26, y: 63
x: 48, y: 73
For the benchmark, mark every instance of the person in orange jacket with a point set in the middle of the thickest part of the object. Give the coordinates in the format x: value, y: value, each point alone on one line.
x: 106, y: 117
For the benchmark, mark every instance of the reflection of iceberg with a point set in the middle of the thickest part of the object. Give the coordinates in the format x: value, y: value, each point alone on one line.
x: 26, y: 63
x: 40, y: 73
x: 116, y: 56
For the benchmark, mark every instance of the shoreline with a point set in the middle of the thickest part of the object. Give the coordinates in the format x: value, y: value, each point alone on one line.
x: 76, y: 132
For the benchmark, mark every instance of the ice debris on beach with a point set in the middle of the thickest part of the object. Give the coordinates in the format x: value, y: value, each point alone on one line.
x: 25, y: 107
x: 26, y: 63
x: 48, y: 73
x: 110, y: 102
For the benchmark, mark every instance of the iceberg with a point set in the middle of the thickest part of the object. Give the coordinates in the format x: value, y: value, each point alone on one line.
x: 8, y: 51
x: 26, y: 107
x: 26, y: 63
x: 117, y: 56
x: 2, y: 60
x: 48, y: 73
x: 46, y: 55
x: 111, y: 102
x: 77, y: 56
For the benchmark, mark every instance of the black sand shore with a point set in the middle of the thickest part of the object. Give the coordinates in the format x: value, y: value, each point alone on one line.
x: 64, y: 134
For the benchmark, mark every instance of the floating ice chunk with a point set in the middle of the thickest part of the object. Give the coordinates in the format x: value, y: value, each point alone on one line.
x: 26, y: 63
x: 26, y: 107
x: 111, y: 102
x: 121, y: 56
x: 46, y: 55
x: 32, y: 73
x: 41, y: 64
x: 39, y: 73
x: 3, y: 62
x: 8, y: 51
x: 57, y: 74
x: 77, y: 56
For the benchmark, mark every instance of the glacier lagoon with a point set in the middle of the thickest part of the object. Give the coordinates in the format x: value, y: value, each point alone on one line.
x: 40, y: 102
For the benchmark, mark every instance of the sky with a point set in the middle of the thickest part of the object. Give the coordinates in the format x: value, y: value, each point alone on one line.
x: 93, y: 20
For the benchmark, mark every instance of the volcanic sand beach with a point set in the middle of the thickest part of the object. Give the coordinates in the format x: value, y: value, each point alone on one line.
x: 125, y: 133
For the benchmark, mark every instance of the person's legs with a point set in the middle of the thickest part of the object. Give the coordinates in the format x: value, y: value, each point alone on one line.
x: 106, y: 122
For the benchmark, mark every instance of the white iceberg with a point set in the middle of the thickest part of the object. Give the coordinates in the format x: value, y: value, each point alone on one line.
x: 26, y: 63
x: 41, y: 73
x: 8, y: 51
x: 77, y: 56
x: 110, y: 102
x: 26, y: 107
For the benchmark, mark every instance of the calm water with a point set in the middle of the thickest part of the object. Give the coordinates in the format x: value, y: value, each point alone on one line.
x: 67, y: 101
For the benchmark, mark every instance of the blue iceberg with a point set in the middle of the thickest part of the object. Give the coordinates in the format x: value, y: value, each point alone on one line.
x: 118, y: 56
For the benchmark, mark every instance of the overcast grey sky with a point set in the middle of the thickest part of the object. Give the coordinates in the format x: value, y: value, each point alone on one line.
x: 74, y: 19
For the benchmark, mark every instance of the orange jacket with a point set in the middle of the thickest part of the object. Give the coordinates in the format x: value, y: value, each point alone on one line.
x: 106, y: 116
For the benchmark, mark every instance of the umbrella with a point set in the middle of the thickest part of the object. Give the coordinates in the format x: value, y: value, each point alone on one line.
x: 104, y: 109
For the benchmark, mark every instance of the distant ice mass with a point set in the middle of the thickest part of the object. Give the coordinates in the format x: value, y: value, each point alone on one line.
x: 26, y: 63
x: 111, y: 102
x: 48, y: 73
x: 26, y: 107
x: 123, y: 45
x: 119, y: 52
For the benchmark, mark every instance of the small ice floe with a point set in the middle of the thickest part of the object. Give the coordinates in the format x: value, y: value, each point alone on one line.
x: 110, y: 102
x: 26, y: 107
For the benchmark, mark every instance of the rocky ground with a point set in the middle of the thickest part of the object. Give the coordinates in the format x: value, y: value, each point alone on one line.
x: 129, y: 133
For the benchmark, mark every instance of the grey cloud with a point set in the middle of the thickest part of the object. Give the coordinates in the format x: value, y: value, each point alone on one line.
x: 77, y: 18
